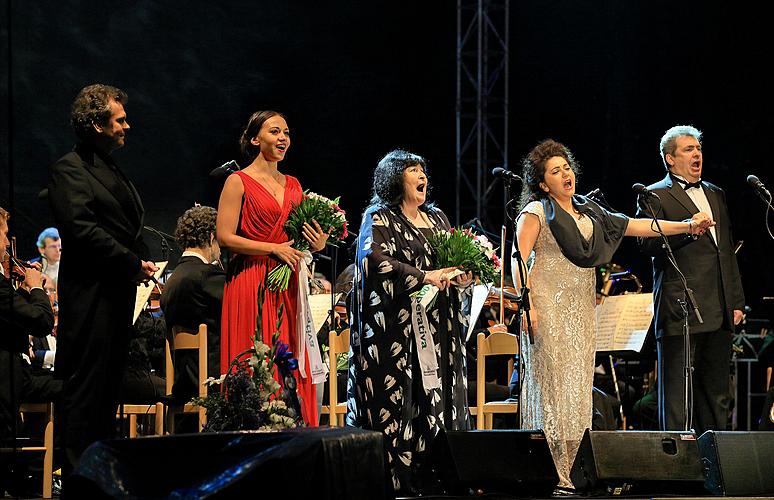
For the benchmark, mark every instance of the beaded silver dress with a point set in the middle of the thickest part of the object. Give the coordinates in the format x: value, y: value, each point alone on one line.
x: 557, y: 391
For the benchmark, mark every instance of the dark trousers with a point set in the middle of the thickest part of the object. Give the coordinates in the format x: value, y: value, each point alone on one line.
x: 710, y: 357
x: 27, y: 387
x: 91, y: 394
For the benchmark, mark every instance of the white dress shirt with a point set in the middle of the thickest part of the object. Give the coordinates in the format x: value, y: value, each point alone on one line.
x: 699, y: 198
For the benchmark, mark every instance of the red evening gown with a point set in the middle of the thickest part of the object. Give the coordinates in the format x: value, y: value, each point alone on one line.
x: 262, y: 219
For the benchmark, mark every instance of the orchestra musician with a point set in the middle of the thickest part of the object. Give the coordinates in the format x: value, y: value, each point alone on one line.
x: 193, y: 294
x: 24, y: 311
x: 99, y: 212
x: 50, y: 250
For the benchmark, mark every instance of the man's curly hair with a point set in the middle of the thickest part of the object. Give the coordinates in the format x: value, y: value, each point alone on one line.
x: 534, y: 168
x: 388, y: 176
x: 92, y: 105
x: 195, y: 227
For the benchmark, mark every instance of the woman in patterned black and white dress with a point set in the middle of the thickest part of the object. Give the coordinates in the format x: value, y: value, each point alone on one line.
x: 407, y: 366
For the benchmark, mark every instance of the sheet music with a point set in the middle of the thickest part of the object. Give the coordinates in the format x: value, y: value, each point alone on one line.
x: 144, y: 292
x: 477, y: 304
x: 320, y: 306
x: 623, y: 322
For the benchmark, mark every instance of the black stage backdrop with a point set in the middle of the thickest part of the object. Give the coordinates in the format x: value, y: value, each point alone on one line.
x: 357, y: 79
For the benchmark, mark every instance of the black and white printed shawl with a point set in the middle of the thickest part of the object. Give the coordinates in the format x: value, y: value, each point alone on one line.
x: 385, y: 390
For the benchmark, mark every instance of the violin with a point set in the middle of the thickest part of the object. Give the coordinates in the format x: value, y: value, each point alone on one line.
x: 15, y: 267
x: 510, y: 298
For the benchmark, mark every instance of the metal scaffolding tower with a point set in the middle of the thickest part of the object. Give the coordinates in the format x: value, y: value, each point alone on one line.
x: 481, y: 108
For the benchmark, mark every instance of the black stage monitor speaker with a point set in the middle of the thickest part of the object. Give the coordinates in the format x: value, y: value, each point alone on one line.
x: 496, y: 461
x: 738, y: 463
x: 638, y: 462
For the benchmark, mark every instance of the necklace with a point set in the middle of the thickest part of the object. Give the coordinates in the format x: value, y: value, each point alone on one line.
x: 272, y: 184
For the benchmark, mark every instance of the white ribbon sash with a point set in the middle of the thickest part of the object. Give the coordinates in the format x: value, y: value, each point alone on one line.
x: 428, y: 362
x: 307, y: 337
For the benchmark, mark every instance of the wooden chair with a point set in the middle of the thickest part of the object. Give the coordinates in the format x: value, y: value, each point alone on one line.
x: 48, y: 443
x: 187, y: 340
x: 337, y: 343
x: 135, y: 410
x: 491, y: 345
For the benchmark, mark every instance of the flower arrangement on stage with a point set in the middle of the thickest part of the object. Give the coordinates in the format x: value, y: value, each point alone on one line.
x: 249, y: 397
x: 468, y: 251
x: 331, y: 218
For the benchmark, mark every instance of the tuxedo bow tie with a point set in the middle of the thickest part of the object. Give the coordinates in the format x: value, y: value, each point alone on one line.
x: 688, y: 185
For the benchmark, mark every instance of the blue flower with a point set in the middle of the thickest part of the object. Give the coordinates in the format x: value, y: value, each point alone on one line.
x: 284, y: 359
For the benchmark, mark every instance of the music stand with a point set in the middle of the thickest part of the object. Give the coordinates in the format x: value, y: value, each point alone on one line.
x: 622, y: 323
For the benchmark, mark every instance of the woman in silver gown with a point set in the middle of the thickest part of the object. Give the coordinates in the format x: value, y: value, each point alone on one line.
x: 569, y: 235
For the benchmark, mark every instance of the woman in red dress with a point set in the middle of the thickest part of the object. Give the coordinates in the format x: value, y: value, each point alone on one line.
x: 253, y: 207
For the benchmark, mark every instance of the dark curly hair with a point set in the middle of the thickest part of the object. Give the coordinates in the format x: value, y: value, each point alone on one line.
x: 92, y: 105
x: 534, y: 168
x: 388, y: 177
x: 195, y: 227
x: 254, y: 124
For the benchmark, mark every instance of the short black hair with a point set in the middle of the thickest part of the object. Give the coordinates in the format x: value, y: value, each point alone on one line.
x: 388, y: 176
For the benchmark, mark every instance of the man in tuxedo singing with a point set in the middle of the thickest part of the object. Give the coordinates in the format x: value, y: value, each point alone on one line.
x: 710, y: 268
x: 100, y: 215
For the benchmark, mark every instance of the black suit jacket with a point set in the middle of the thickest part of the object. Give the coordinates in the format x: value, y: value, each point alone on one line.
x: 23, y: 314
x: 192, y: 295
x: 100, y: 215
x: 710, y: 268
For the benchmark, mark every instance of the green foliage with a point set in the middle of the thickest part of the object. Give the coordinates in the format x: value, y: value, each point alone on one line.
x: 464, y: 249
x: 313, y: 207
x: 249, y: 397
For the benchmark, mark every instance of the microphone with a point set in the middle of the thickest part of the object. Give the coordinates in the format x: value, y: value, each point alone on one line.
x: 505, y: 174
x: 472, y: 223
x: 594, y: 193
x: 642, y: 190
x: 224, y: 170
x: 758, y: 186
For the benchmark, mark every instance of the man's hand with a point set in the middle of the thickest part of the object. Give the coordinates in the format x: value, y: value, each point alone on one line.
x: 147, y: 269
x: 700, y: 222
x: 738, y: 316
x: 33, y: 278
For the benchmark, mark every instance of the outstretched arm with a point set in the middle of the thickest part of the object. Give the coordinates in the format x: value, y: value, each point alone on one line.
x: 696, y: 225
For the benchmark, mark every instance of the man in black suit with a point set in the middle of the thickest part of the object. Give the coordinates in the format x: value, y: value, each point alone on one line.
x: 710, y: 268
x: 99, y: 213
x: 23, y: 312
x: 194, y: 295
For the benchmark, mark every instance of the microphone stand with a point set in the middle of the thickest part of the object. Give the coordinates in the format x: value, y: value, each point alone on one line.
x: 687, y: 301
x: 164, y: 245
x: 332, y: 316
x: 764, y: 195
x: 523, y: 299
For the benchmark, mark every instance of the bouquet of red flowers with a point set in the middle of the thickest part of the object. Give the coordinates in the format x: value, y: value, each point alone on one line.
x: 468, y: 251
x: 331, y: 218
